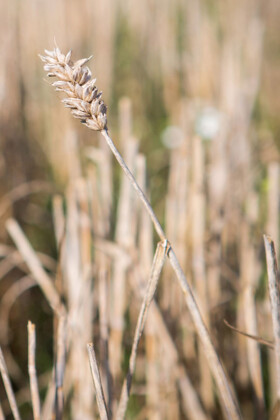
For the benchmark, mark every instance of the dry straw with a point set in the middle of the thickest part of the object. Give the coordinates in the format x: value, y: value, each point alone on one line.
x: 35, y: 266
x: 85, y: 103
x: 273, y: 284
x: 97, y: 383
x: 34, y: 389
x: 158, y: 263
x: 8, y: 387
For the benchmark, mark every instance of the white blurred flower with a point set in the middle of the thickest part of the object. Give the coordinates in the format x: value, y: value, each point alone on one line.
x: 208, y: 123
x: 172, y: 137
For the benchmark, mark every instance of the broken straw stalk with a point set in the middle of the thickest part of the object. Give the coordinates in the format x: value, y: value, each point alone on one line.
x: 84, y: 100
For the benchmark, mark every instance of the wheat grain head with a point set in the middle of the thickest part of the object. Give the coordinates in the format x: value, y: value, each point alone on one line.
x: 74, y: 79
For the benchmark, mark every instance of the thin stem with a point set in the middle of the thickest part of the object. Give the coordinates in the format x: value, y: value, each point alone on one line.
x: 97, y: 383
x: 225, y: 392
x: 273, y: 283
x: 2, y: 417
x: 133, y: 181
x: 215, y: 365
x: 60, y: 366
x: 8, y: 387
x: 150, y: 291
x: 35, y: 398
x: 35, y: 266
x: 260, y: 340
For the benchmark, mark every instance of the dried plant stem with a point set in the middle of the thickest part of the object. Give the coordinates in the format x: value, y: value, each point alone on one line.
x: 100, y: 200
x: 58, y: 220
x: 60, y: 366
x: 225, y: 392
x: 260, y: 340
x: 35, y: 266
x: 7, y: 301
x: 272, y: 229
x: 248, y: 276
x: 275, y: 412
x: 14, y: 259
x: 97, y: 383
x: 145, y: 244
x: 35, y: 398
x: 2, y: 417
x: 132, y: 180
x: 125, y: 238
x: 198, y: 260
x: 104, y: 329
x: 158, y: 263
x: 78, y: 289
x: 47, y: 407
x: 191, y: 404
x: 272, y: 205
x: 22, y: 191
x: 171, y: 354
x: 273, y: 284
x: 8, y: 387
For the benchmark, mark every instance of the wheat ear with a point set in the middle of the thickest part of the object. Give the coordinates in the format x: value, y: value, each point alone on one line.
x: 86, y: 104
x: 75, y: 80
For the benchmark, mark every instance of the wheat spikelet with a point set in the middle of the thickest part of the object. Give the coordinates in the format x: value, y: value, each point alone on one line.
x: 75, y: 80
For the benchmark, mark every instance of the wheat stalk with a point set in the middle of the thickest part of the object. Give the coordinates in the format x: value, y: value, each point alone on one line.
x: 85, y: 103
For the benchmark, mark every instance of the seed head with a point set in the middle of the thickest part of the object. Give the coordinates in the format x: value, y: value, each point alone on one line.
x: 74, y: 79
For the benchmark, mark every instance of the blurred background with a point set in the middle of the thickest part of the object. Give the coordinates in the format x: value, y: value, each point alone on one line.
x: 192, y: 94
